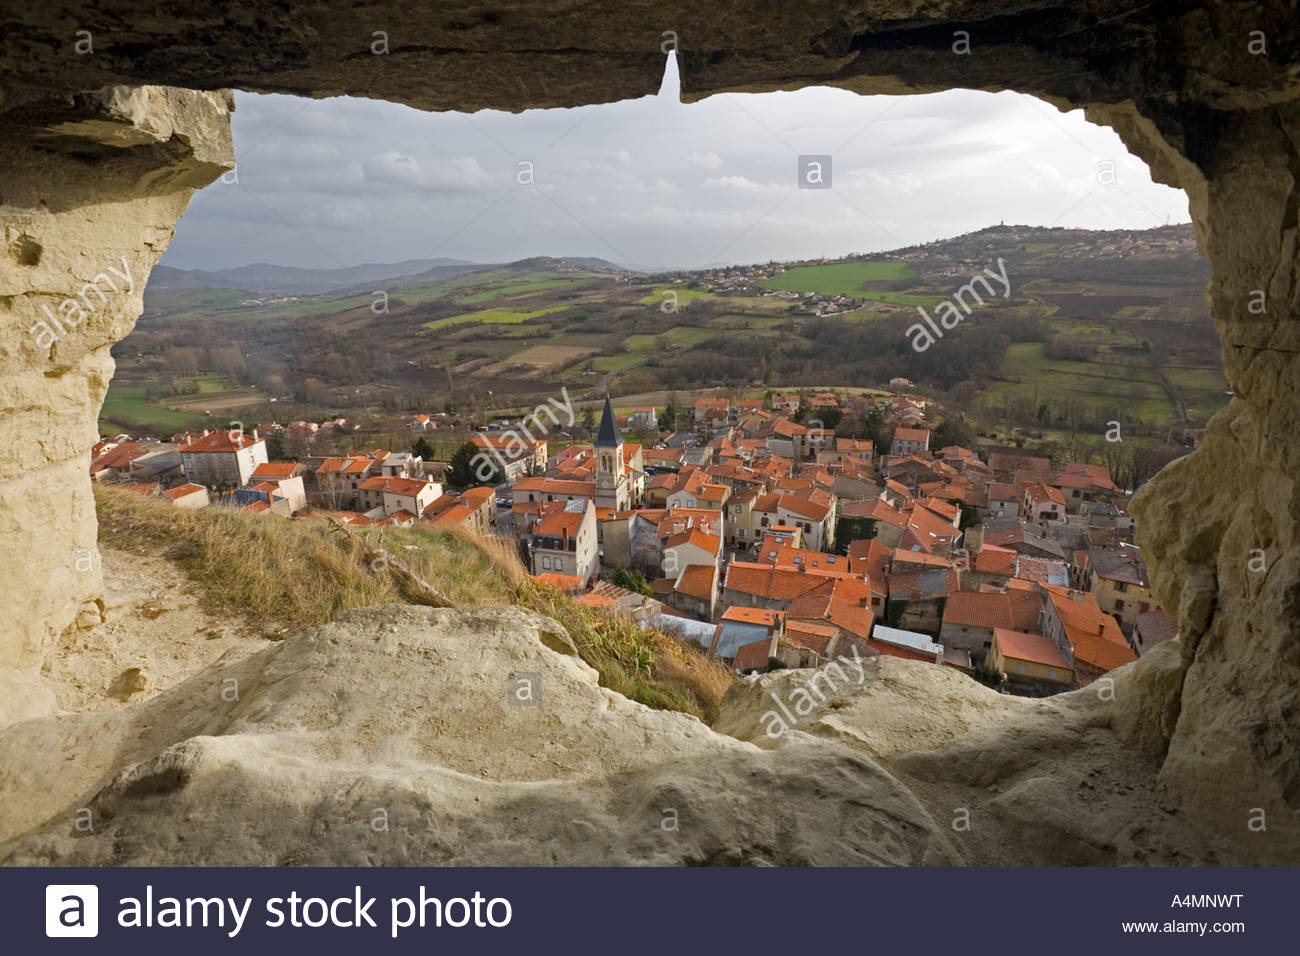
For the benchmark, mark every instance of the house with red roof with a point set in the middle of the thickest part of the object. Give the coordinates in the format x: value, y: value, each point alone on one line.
x: 695, y: 591
x: 1088, y: 638
x: 223, y: 459
x: 188, y: 495
x: 474, y: 511
x: 1029, y: 660
x: 1042, y: 503
x: 564, y: 539
x: 970, y: 617
x: 391, y: 495
x: 338, y: 480
x: 286, y: 476
x: 910, y: 441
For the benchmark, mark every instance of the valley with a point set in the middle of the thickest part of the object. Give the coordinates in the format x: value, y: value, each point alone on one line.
x: 1098, y: 326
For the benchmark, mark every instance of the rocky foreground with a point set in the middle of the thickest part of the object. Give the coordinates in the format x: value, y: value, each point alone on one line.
x: 404, y: 735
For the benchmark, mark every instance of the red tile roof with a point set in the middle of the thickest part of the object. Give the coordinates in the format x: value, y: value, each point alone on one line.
x: 221, y: 441
x: 1033, y: 648
x: 753, y: 615
x: 275, y: 469
x: 698, y: 581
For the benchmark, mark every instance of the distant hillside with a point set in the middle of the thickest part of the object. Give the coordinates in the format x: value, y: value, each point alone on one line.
x: 264, y: 278
x: 1077, y: 328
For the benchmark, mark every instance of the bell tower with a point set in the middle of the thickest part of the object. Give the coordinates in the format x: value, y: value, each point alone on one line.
x: 611, y: 475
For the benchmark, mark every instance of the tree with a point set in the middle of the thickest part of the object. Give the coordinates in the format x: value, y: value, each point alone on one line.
x: 423, y: 449
x: 671, y: 414
x: 953, y: 430
x: 469, y: 465
x: 589, y: 419
x: 630, y: 580
x: 275, y: 450
x: 848, y: 530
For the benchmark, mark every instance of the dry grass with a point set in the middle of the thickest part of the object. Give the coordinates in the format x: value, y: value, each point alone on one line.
x: 286, y: 575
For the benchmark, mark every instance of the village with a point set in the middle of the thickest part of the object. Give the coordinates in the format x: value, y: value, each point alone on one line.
x: 750, y: 530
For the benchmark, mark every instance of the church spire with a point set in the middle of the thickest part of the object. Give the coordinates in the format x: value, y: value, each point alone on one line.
x: 608, y: 436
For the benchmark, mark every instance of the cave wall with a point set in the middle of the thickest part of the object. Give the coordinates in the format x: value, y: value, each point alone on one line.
x: 90, y: 185
x: 1205, y: 93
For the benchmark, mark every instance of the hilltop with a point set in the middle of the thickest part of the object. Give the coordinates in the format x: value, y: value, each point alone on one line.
x: 1097, y: 324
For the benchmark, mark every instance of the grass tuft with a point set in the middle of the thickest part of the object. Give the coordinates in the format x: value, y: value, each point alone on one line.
x: 288, y: 575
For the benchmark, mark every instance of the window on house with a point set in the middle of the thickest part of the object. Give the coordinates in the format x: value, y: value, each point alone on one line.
x: 1051, y: 673
x: 546, y: 564
x: 1119, y: 605
x: 1022, y: 667
x: 1143, y: 607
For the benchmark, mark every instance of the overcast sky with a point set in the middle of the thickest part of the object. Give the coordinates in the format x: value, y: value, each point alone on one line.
x: 654, y: 183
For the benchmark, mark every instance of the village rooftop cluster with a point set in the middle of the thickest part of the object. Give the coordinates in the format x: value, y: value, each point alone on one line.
x: 752, y: 531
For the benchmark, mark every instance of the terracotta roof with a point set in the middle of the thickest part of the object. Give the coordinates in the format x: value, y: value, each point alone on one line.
x: 1017, y: 611
x: 1033, y: 648
x: 121, y: 456
x: 181, y: 491
x: 816, y: 637
x: 559, y: 522
x: 698, y: 581
x: 1037, y: 491
x: 221, y: 441
x: 275, y: 469
x: 771, y: 582
x: 753, y: 657
x: 1094, y: 635
x: 561, y: 582
x: 705, y: 542
x: 753, y: 615
x: 993, y: 559
x: 844, y: 602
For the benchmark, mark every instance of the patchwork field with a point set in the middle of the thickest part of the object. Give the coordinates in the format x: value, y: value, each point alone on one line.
x: 838, y: 278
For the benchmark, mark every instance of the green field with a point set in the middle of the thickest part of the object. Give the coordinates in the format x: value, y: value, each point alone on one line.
x: 536, y: 283
x: 903, y: 298
x: 126, y: 407
x: 1032, y: 374
x: 494, y: 317
x: 838, y: 278
x: 684, y: 295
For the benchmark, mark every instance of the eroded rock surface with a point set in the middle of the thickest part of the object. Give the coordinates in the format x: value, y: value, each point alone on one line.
x: 389, y: 737
x: 89, y: 198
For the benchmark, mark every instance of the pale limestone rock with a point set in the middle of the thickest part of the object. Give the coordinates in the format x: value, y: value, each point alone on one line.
x: 65, y: 220
x: 387, y: 737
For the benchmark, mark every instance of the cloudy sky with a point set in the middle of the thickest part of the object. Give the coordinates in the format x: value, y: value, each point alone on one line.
x: 654, y: 183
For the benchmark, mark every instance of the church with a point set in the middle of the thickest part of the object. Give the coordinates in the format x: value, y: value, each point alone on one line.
x: 612, y: 489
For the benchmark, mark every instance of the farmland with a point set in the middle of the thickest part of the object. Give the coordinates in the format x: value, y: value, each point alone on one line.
x: 1086, y: 332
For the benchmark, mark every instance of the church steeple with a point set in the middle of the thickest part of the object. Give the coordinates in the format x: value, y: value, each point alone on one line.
x: 611, y: 477
x: 608, y: 436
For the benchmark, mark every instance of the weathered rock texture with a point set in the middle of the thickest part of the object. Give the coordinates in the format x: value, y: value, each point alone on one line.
x: 389, y: 737
x: 90, y: 184
x: 1205, y: 93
